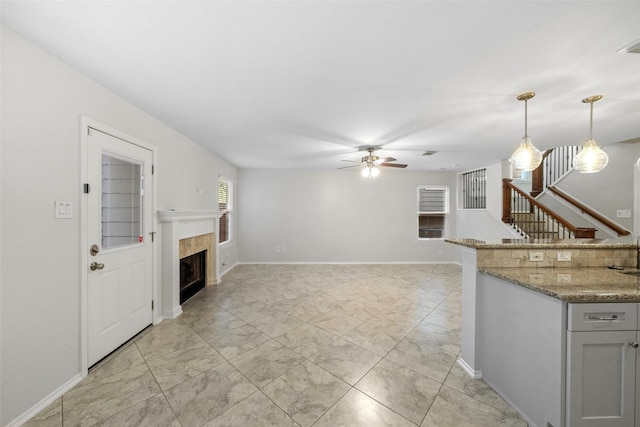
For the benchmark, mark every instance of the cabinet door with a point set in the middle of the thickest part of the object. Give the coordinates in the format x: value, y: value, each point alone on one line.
x: 601, y: 379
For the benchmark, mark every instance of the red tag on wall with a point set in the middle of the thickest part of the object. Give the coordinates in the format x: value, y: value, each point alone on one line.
x: 140, y: 239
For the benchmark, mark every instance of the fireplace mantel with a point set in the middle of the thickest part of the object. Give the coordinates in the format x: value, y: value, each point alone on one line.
x: 178, y: 225
x: 173, y: 215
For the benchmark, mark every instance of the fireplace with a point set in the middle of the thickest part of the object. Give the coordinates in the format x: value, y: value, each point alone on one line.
x: 193, y: 275
x: 185, y: 233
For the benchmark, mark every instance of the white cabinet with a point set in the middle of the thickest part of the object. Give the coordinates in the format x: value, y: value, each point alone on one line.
x: 603, y: 365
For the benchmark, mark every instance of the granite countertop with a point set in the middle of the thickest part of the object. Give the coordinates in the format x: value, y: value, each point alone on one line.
x: 574, y: 284
x: 542, y: 243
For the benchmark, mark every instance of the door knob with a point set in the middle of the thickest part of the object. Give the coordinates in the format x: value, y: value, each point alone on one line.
x: 634, y: 344
x: 99, y: 266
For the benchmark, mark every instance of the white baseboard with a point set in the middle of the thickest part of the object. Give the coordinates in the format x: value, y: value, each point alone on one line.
x: 222, y: 274
x: 177, y: 311
x: 472, y: 373
x: 524, y: 416
x: 343, y: 262
x: 35, y: 410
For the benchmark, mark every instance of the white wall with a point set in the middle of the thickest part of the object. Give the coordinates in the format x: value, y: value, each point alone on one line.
x: 42, y: 101
x: 610, y: 190
x: 486, y: 224
x: 336, y: 216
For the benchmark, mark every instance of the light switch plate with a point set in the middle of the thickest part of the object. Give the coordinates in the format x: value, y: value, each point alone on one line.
x: 625, y: 213
x: 63, y: 210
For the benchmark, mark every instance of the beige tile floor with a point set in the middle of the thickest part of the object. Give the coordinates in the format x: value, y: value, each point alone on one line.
x: 296, y: 345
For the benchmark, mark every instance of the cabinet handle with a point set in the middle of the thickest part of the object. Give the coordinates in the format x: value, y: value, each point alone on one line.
x: 594, y: 317
x: 633, y: 344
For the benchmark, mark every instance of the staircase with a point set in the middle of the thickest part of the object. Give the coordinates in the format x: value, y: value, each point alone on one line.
x: 533, y: 225
x: 530, y: 218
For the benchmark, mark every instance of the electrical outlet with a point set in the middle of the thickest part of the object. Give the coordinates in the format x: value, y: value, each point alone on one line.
x: 626, y: 213
x: 564, y: 256
x: 536, y: 256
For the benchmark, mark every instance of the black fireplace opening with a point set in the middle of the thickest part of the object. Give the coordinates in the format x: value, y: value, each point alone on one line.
x: 193, y: 275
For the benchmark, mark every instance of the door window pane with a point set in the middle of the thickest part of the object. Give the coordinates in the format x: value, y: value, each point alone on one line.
x: 122, y: 192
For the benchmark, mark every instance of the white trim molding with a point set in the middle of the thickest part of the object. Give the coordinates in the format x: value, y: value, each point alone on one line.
x: 177, y: 225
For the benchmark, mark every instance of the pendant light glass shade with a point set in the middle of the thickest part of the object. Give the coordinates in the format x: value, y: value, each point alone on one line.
x: 526, y: 157
x: 591, y: 158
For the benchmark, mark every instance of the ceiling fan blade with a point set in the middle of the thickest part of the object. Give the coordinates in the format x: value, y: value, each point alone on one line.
x: 393, y: 165
x: 352, y: 161
x: 386, y: 159
x: 347, y: 167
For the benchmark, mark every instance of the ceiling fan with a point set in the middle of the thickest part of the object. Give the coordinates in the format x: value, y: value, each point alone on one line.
x: 370, y: 162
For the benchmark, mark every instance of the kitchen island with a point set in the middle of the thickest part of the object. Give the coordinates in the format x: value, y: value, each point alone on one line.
x: 524, y: 327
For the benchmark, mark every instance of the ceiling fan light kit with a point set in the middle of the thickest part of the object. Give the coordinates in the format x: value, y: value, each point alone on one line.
x: 591, y: 158
x: 370, y: 171
x: 526, y: 157
x: 371, y: 163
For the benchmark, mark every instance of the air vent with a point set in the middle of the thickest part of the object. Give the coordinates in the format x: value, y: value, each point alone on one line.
x: 429, y: 153
x: 631, y: 48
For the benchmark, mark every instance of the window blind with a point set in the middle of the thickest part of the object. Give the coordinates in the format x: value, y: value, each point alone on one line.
x: 432, y: 200
x: 225, y: 204
x: 223, y: 195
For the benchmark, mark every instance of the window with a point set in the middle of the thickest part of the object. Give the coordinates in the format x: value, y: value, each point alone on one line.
x: 122, y: 193
x: 225, y: 205
x: 433, y: 207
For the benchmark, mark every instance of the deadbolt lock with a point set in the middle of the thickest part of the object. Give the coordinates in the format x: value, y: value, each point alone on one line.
x: 93, y: 250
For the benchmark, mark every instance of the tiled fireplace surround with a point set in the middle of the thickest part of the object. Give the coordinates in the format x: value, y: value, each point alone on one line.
x: 183, y: 234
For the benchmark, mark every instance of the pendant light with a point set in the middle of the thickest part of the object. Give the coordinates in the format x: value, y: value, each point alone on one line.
x: 526, y: 157
x: 591, y: 158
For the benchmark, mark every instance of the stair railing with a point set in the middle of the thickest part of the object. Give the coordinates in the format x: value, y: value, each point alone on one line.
x: 535, y: 220
x: 556, y: 163
x: 587, y: 210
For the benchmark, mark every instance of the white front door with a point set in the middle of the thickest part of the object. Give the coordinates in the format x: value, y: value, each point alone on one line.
x: 120, y: 266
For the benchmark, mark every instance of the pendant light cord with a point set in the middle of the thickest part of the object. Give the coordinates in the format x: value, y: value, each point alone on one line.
x: 591, y: 122
x: 525, y: 119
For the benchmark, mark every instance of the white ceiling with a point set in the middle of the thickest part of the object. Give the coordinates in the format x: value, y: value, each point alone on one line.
x: 302, y: 84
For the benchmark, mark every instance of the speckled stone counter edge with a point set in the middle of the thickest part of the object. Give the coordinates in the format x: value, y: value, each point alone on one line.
x: 541, y: 244
x: 588, y: 285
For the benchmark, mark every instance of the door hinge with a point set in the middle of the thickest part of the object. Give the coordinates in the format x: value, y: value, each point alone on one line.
x: 87, y: 188
x: 153, y: 169
x: 152, y: 304
x: 153, y: 236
